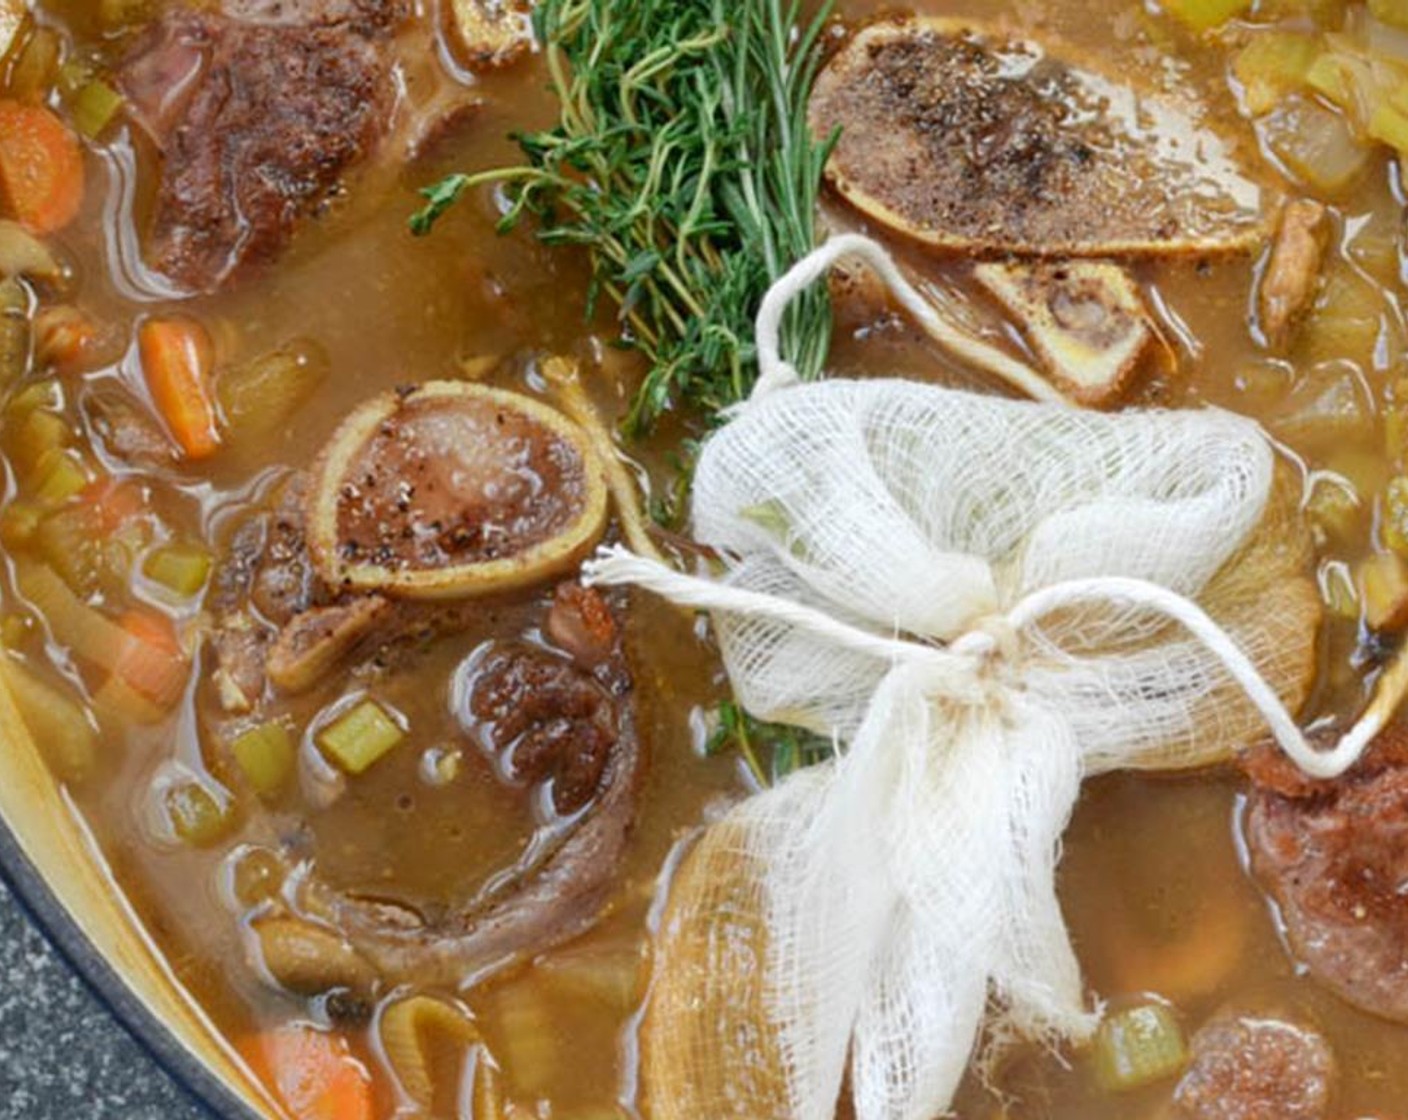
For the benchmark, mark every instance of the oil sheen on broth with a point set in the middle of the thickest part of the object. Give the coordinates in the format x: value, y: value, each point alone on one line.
x: 1154, y: 882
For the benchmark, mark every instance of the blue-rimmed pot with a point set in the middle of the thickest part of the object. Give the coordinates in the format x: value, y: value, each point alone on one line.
x: 60, y: 876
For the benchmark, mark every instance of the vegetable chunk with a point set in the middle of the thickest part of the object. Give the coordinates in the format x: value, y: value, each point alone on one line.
x: 41, y: 168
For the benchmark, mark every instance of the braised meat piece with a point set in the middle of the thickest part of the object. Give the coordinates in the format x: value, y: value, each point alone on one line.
x: 1256, y: 1069
x: 278, y: 621
x: 546, y: 720
x: 578, y: 721
x: 258, y: 111
x: 1334, y: 855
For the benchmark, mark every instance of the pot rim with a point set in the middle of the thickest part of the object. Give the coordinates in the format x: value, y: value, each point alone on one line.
x: 58, y: 928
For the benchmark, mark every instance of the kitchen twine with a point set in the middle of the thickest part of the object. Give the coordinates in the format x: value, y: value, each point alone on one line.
x: 960, y: 668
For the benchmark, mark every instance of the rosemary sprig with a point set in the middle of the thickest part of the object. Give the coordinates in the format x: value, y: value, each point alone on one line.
x: 684, y: 165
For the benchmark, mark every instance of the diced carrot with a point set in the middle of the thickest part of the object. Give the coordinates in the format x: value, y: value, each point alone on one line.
x: 313, y: 1072
x: 41, y: 167
x: 177, y: 360
x: 151, y: 660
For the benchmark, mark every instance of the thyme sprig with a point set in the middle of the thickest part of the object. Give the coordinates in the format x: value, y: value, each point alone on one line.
x: 682, y: 162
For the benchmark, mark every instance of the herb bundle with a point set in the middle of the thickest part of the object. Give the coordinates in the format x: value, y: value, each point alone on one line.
x: 683, y: 164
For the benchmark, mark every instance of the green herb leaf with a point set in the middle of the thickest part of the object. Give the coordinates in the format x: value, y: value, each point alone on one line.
x: 771, y: 751
x: 442, y: 196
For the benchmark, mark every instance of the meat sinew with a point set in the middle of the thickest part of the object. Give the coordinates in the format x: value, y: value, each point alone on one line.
x: 258, y: 111
x: 1256, y: 1069
x: 1334, y: 856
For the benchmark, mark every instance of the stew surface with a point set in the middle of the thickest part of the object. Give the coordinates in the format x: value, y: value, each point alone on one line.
x: 313, y: 800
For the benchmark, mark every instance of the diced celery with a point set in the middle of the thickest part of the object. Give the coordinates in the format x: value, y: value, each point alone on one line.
x: 35, y: 67
x: 1138, y: 1047
x: 94, y: 106
x: 180, y: 568
x: 59, y: 477
x: 1204, y: 15
x: 195, y: 814
x: 14, y: 331
x: 24, y: 254
x: 1383, y: 586
x: 39, y: 433
x: 1395, y: 516
x: 1272, y: 65
x: 1326, y: 76
x: 266, y: 756
x: 1348, y: 78
x: 61, y: 727
x: 13, y: 297
x: 119, y: 14
x: 39, y: 394
x: 1389, y: 125
x: 1394, y: 12
x: 19, y: 523
x: 74, y: 74
x: 70, y: 543
x: 360, y: 737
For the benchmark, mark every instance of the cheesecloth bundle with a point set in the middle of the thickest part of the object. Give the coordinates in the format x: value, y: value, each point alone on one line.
x: 983, y: 601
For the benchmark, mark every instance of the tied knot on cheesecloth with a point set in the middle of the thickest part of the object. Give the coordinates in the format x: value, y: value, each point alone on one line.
x: 982, y: 601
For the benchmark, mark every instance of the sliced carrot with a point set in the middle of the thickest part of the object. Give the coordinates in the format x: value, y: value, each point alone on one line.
x: 313, y: 1072
x: 151, y: 661
x: 41, y: 167
x: 177, y: 360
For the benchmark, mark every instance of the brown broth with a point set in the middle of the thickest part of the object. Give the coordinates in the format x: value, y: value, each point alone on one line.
x: 1151, y: 866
